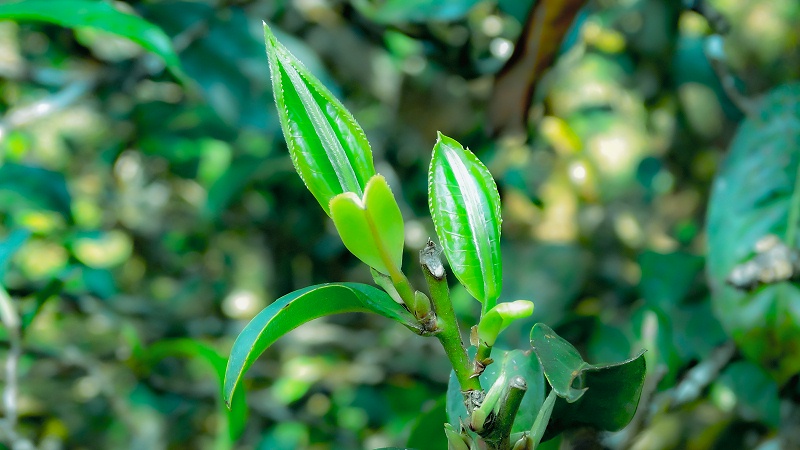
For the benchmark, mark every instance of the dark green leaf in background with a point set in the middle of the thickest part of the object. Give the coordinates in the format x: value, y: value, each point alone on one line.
x: 465, y: 207
x: 427, y: 431
x: 9, y: 246
x: 99, y: 15
x: 299, y: 307
x: 402, y: 11
x: 753, y: 194
x: 24, y: 186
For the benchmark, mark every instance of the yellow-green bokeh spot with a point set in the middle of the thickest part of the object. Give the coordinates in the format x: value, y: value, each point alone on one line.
x: 371, y: 226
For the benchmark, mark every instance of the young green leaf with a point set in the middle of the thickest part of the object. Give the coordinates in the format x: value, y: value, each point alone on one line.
x: 98, y: 15
x: 501, y: 316
x: 329, y: 149
x: 299, y: 307
x: 465, y: 207
x: 371, y: 227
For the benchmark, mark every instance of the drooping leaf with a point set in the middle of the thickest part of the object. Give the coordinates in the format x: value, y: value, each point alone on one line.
x: 34, y: 187
x: 604, y: 396
x: 236, y: 417
x: 500, y: 317
x: 299, y: 307
x: 515, y: 363
x: 371, y: 227
x: 756, y: 193
x: 98, y: 15
x: 465, y: 207
x: 329, y: 149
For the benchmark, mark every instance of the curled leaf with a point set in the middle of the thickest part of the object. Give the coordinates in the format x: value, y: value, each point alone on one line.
x: 329, y: 149
x: 500, y: 317
x: 465, y: 207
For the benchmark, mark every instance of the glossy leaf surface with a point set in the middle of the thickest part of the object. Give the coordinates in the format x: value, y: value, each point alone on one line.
x: 752, y: 196
x: 515, y: 363
x: 329, y: 149
x: 501, y: 316
x: 604, y: 396
x: 465, y: 207
x: 299, y: 307
x: 371, y: 227
x: 98, y: 15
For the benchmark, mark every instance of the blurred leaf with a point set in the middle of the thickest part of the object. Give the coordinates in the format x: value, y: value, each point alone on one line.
x: 547, y: 24
x: 33, y: 187
x: 9, y: 246
x: 299, y: 307
x: 515, y: 363
x: 757, y: 192
x: 230, y: 184
x: 418, y: 11
x: 329, y: 149
x: 99, y: 15
x: 237, y: 416
x: 372, y: 227
x: 465, y: 208
x: 667, y: 278
x: 428, y: 430
x: 604, y: 396
x: 756, y: 393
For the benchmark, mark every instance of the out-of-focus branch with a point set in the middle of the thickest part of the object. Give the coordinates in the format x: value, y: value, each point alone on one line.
x: 8, y: 425
x: 24, y: 115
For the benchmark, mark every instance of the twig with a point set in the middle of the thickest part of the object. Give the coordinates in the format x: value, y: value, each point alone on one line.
x: 11, y: 321
x: 27, y: 114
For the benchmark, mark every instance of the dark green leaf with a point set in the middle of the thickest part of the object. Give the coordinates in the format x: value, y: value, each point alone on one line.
x: 604, y: 396
x: 329, y: 149
x: 299, y: 307
x: 428, y: 430
x: 98, y: 15
x: 400, y: 11
x: 755, y: 392
x: 237, y: 416
x: 561, y: 362
x: 465, y: 208
x: 33, y: 187
x: 9, y: 246
x: 752, y: 196
x: 515, y: 363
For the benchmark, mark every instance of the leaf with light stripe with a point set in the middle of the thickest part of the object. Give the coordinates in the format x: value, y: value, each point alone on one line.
x: 328, y: 148
x: 465, y: 207
x: 299, y: 307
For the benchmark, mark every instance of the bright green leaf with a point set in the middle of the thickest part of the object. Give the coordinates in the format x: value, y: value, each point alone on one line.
x: 372, y: 227
x: 465, y: 207
x: 299, y: 307
x: 329, y: 149
x: 500, y: 317
x: 755, y: 193
x: 99, y: 15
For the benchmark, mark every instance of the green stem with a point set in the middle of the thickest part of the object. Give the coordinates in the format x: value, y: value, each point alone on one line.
x: 794, y: 212
x: 449, y: 335
x: 500, y: 432
x: 542, y: 419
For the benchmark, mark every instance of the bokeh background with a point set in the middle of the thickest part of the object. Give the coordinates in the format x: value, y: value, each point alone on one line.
x: 147, y: 214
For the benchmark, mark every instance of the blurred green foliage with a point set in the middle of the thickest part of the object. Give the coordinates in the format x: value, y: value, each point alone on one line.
x: 149, y: 209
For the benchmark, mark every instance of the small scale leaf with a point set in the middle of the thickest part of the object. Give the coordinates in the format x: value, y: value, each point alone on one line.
x: 299, y: 307
x: 371, y: 227
x: 465, y: 207
x: 329, y: 149
x: 98, y: 15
